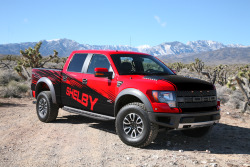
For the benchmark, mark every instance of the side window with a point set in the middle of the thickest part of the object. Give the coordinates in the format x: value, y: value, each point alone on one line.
x: 127, y: 64
x: 77, y: 63
x: 98, y: 61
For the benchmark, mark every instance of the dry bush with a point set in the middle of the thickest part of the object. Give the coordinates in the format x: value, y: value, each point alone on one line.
x: 14, y: 89
x: 53, y: 65
x: 236, y: 100
x: 7, y: 76
x: 186, y: 72
x: 223, y: 93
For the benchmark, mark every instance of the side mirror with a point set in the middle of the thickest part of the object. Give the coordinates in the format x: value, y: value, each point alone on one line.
x: 103, y: 72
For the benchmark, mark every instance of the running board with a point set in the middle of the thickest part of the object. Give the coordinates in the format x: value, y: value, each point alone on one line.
x: 88, y: 114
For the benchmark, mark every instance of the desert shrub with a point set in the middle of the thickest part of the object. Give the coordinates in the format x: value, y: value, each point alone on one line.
x: 186, y: 72
x: 7, y: 76
x: 223, y: 93
x: 54, y: 65
x: 236, y: 100
x: 14, y: 89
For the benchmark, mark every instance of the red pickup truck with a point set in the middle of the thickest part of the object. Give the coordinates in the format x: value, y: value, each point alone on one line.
x: 136, y: 90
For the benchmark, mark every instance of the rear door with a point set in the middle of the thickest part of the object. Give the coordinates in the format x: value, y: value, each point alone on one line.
x: 72, y: 81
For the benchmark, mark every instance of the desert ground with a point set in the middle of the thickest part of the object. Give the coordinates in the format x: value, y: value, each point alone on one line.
x: 74, y: 140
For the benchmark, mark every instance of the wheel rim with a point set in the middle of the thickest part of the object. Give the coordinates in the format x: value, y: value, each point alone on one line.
x: 42, y: 107
x: 133, y: 125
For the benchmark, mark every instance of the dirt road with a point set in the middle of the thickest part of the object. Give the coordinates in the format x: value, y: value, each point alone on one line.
x: 74, y: 140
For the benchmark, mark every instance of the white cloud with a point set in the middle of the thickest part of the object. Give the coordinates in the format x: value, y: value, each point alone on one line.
x: 157, y: 18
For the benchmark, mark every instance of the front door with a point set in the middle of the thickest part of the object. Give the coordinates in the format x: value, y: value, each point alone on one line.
x: 100, y: 91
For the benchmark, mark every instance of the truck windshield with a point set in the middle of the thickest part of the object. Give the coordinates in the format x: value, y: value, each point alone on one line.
x: 136, y: 64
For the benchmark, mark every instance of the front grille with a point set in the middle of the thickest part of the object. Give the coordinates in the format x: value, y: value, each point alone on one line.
x: 196, y: 93
x: 201, y: 100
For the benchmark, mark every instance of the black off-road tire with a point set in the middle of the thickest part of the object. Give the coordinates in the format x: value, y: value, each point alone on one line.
x: 46, y: 110
x: 197, y: 132
x: 142, y: 131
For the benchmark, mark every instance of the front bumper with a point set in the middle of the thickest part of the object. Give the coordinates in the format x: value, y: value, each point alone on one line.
x: 184, y: 121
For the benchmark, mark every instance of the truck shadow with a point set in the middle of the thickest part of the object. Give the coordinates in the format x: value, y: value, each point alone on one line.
x: 107, y: 126
x: 223, y: 139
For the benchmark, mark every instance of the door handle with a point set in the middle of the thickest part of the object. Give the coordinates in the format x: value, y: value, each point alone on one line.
x: 65, y: 77
x: 84, y: 81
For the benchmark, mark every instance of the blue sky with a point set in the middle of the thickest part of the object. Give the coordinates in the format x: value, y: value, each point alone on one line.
x: 114, y: 22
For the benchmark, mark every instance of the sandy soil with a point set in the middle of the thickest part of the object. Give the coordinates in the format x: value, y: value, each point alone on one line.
x: 74, y: 140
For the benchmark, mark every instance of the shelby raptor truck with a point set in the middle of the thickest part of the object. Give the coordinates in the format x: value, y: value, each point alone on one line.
x: 136, y: 90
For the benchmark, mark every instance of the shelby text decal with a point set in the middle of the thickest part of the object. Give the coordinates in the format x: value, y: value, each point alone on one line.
x: 84, y: 98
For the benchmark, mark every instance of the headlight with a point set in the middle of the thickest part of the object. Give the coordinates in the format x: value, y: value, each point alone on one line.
x: 165, y: 97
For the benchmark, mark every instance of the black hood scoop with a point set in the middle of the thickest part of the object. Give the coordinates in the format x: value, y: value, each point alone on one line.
x: 184, y: 83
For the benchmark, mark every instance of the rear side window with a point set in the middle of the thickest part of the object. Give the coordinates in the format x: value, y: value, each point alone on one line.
x: 77, y: 63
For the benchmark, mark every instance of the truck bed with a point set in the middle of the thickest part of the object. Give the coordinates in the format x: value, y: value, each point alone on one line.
x: 53, y: 74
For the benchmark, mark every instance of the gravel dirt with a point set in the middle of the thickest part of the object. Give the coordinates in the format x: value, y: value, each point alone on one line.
x: 74, y: 140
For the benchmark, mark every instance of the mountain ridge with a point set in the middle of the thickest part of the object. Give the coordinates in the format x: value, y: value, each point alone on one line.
x: 171, y: 50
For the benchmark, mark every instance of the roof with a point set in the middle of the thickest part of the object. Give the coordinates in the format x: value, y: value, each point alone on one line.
x: 107, y: 52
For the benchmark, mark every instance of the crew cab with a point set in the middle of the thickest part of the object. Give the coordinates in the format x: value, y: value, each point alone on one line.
x: 136, y: 90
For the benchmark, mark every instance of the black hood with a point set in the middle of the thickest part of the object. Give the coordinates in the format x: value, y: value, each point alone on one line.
x: 184, y: 83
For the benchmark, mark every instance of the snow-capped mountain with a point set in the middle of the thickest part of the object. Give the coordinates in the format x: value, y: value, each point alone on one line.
x: 205, y: 45
x: 66, y: 46
x: 169, y: 48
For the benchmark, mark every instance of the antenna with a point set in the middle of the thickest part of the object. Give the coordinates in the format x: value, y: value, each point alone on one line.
x: 130, y: 43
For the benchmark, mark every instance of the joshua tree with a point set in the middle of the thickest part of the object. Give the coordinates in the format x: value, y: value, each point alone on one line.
x: 32, y: 58
x: 177, y: 66
x: 243, y: 82
x: 218, y: 74
x: 198, y: 65
x: 3, y: 65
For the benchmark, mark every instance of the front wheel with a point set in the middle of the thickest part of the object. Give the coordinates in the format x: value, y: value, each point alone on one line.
x: 197, y: 132
x: 46, y: 110
x: 134, y: 127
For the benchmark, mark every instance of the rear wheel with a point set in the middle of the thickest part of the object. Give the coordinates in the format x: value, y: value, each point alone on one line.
x: 134, y: 127
x: 197, y: 132
x: 46, y: 110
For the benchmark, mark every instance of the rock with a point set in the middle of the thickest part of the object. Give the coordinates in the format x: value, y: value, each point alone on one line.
x: 195, y: 162
x: 172, y: 163
x: 155, y: 156
x: 207, y: 151
x: 203, y: 162
x: 228, y: 113
x: 181, y: 151
x: 213, y: 164
x: 246, y: 165
x: 231, y: 165
x: 128, y: 158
